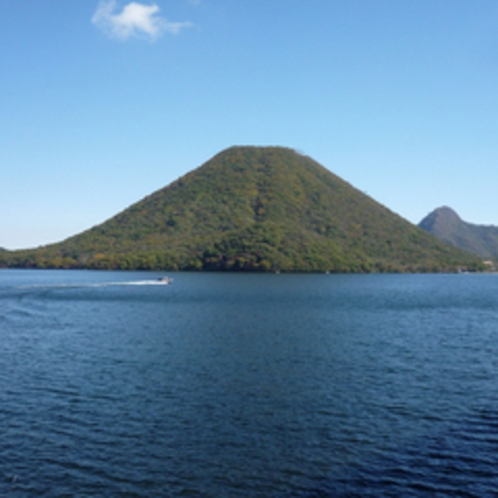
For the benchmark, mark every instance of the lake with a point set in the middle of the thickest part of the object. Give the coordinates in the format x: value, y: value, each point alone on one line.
x: 245, y: 385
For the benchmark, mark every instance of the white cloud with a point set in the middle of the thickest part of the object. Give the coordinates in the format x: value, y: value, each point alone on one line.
x: 135, y: 20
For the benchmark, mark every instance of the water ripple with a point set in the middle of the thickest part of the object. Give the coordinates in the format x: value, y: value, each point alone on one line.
x: 248, y: 386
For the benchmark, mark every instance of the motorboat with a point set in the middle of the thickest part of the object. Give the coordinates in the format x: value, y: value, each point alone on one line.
x: 165, y: 280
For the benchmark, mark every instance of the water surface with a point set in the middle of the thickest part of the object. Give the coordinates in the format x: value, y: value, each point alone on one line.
x: 248, y: 385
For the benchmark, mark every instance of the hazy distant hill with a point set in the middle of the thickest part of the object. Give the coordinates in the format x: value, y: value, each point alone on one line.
x: 445, y: 224
x: 253, y: 208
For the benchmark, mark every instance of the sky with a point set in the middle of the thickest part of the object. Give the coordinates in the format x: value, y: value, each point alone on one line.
x: 104, y: 102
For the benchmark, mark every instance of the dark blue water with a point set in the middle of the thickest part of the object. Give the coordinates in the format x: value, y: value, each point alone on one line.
x: 248, y: 385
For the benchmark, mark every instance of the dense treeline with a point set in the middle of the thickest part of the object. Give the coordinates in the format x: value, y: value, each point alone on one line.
x: 253, y: 209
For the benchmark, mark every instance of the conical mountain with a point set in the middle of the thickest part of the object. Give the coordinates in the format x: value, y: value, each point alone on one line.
x: 447, y: 226
x: 254, y: 208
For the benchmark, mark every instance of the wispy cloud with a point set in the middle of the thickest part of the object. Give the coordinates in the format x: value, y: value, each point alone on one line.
x: 135, y: 20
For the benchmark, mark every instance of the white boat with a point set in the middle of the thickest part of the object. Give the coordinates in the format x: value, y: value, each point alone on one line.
x: 165, y: 280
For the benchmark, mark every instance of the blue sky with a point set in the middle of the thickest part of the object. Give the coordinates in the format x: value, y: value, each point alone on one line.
x: 103, y: 103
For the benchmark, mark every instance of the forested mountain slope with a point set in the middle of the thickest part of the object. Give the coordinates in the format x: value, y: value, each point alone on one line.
x: 253, y: 208
x: 447, y: 226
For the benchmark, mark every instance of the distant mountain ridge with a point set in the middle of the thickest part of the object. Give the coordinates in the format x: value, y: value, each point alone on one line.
x: 446, y: 225
x: 253, y: 209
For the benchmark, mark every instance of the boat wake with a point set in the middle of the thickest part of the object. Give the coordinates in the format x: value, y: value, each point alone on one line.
x: 147, y: 282
x: 163, y: 281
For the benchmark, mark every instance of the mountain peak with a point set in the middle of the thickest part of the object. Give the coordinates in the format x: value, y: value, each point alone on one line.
x: 447, y: 212
x: 441, y: 219
x: 253, y: 208
x: 446, y: 225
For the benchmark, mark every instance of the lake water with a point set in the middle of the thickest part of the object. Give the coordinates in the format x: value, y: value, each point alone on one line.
x: 228, y: 385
